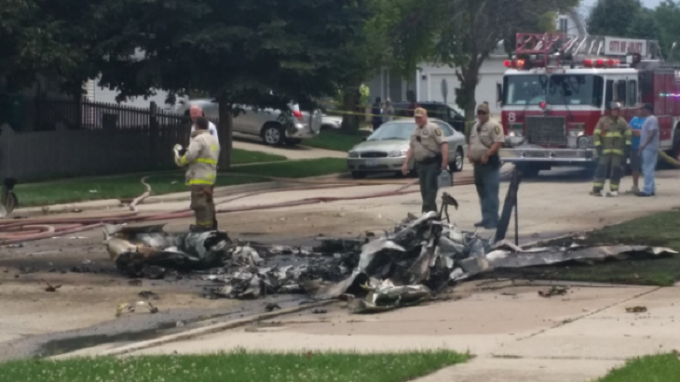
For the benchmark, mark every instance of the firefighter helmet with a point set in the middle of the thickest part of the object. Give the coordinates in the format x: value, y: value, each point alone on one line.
x: 615, y: 105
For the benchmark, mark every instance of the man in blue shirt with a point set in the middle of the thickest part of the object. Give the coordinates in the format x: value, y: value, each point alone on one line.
x: 649, y: 149
x: 636, y: 126
x: 376, y: 112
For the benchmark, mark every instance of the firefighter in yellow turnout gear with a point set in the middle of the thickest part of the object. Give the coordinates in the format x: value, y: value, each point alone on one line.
x: 201, y: 158
x: 612, y: 138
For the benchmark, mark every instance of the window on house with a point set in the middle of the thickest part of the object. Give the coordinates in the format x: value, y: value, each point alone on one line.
x: 563, y: 25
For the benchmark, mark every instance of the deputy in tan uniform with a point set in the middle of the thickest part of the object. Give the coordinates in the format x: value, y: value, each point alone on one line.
x: 201, y: 158
x: 431, y: 154
x: 486, y: 138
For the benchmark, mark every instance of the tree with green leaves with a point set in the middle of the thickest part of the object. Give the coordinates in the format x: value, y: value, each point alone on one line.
x: 262, y: 53
x: 667, y: 16
x: 462, y: 34
x: 43, y: 38
x: 644, y: 26
x: 613, y: 17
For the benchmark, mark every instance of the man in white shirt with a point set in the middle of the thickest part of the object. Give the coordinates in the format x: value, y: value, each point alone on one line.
x: 195, y: 112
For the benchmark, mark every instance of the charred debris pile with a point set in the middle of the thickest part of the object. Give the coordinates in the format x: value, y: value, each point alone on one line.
x: 411, y: 263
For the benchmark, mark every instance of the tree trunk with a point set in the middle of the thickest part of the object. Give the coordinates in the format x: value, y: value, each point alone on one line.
x: 224, y: 130
x: 350, y: 103
x: 465, y: 95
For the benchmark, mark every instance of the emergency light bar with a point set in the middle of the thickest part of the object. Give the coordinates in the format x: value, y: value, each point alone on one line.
x: 600, y: 63
x: 515, y: 63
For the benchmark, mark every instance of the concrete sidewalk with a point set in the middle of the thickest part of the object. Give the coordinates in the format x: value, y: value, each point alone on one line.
x: 514, y: 334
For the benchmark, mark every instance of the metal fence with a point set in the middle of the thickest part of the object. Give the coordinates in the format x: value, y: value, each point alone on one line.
x: 72, y: 138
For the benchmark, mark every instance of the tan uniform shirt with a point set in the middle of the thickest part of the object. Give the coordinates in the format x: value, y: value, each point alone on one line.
x: 202, y: 156
x: 430, y: 143
x: 480, y: 142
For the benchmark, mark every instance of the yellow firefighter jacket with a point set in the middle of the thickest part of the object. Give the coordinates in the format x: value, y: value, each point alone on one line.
x: 201, y: 156
x: 612, y: 134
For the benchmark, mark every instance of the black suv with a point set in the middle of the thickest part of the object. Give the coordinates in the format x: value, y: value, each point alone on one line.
x: 437, y: 110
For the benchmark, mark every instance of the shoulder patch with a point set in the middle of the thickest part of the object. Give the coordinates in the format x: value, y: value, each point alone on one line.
x: 497, y: 130
x: 438, y: 131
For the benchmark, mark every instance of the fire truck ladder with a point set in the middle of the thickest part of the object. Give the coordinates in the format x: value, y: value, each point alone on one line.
x: 566, y: 47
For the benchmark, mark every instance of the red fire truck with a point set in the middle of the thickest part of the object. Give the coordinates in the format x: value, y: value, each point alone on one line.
x: 558, y: 86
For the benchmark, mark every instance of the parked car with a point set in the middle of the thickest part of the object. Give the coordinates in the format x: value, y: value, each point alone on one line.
x: 330, y: 122
x: 273, y: 126
x: 385, y: 149
x: 442, y: 111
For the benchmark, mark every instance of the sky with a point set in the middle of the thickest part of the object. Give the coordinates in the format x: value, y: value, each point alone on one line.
x: 646, y: 3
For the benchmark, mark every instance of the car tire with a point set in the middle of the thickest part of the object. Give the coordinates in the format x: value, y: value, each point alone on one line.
x: 273, y: 134
x: 358, y: 175
x: 458, y: 161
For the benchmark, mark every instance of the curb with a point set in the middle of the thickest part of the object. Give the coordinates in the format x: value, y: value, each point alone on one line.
x: 198, y: 332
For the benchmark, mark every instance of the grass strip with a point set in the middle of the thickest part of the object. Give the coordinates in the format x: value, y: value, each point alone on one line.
x: 238, y: 366
x: 129, y: 186
x: 337, y: 140
x: 656, y: 368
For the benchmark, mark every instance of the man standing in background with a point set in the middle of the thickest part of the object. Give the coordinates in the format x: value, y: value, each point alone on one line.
x: 431, y: 153
x: 196, y: 112
x: 486, y: 138
x: 635, y: 160
x: 649, y: 149
x: 376, y: 114
x: 200, y: 160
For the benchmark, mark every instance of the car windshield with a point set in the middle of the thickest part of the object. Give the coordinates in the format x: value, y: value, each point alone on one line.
x: 557, y: 89
x: 524, y: 89
x: 575, y: 89
x: 393, y: 131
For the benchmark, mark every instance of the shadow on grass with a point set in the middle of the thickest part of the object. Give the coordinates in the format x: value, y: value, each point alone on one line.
x: 662, y: 229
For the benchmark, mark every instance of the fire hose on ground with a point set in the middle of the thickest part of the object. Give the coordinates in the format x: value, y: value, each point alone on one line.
x: 30, y: 229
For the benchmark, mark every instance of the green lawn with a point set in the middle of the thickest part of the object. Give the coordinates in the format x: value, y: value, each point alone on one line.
x: 129, y: 186
x: 297, y: 169
x: 657, y: 230
x: 246, y: 157
x: 336, y: 140
x: 236, y: 366
x: 658, y: 368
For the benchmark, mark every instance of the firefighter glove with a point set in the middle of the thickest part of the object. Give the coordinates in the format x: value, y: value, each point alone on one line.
x: 179, y: 152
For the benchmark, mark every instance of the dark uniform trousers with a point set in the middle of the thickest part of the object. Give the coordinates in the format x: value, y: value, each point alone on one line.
x: 203, y: 206
x: 487, y: 182
x: 428, y: 172
x: 606, y: 163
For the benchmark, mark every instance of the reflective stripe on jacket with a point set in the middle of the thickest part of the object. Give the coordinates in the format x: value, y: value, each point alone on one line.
x: 613, y: 135
x: 202, y: 156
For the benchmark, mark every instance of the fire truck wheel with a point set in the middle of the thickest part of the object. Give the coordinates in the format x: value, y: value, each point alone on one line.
x: 528, y: 170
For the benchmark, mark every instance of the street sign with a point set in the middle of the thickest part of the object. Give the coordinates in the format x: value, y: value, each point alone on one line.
x: 616, y: 46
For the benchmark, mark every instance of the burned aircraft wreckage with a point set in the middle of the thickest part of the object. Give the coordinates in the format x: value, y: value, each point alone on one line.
x: 407, y: 265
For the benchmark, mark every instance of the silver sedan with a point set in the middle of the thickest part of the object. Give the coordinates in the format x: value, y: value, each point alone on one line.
x: 385, y: 149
